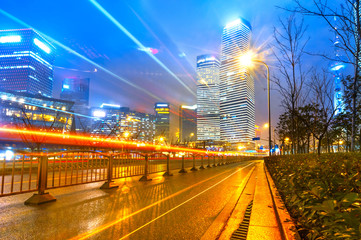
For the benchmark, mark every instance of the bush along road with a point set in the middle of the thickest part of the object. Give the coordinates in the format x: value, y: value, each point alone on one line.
x: 321, y: 192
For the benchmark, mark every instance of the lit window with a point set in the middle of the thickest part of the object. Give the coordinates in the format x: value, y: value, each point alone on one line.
x: 41, y: 45
x: 10, y: 39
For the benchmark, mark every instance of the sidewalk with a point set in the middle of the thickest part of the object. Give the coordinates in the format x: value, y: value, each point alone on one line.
x: 263, y: 223
x: 258, y: 213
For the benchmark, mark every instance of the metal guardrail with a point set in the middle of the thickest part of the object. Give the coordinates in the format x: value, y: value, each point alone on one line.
x: 19, y: 175
x: 29, y: 172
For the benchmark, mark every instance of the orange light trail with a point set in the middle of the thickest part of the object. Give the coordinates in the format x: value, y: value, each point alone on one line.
x: 56, y: 138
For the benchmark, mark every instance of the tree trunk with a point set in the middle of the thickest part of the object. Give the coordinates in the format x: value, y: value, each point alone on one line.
x: 308, y: 143
x: 314, y: 144
x: 346, y: 141
x: 319, y: 146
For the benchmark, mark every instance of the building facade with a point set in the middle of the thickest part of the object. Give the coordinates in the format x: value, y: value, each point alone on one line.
x: 162, y: 117
x: 208, y: 112
x: 76, y: 89
x: 117, y: 122
x: 187, y: 123
x: 237, y: 96
x: 26, y: 62
x: 24, y: 110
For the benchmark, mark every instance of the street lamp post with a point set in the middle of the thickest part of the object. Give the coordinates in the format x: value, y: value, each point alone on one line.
x: 247, y: 60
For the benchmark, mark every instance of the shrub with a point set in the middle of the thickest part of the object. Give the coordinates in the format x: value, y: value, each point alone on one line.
x: 321, y: 192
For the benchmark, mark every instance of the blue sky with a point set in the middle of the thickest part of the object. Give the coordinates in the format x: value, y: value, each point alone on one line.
x: 179, y: 30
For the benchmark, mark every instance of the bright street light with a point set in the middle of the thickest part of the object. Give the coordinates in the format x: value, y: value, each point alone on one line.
x: 266, y: 125
x: 247, y: 60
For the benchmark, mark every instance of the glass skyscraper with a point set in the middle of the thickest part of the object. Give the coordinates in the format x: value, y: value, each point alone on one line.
x: 237, y: 97
x: 26, y: 62
x: 208, y: 127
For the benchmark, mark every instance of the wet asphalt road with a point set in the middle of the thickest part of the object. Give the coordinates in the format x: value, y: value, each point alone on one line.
x: 179, y: 207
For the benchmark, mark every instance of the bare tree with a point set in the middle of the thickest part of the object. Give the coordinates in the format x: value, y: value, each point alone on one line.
x: 348, y: 30
x: 321, y: 86
x: 290, y: 42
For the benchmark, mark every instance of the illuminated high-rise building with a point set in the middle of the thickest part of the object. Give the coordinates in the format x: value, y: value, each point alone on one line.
x: 187, y: 123
x: 237, y: 97
x: 208, y: 127
x: 76, y: 89
x: 162, y: 116
x: 26, y: 62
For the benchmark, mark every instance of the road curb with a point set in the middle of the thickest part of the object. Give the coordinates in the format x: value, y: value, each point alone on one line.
x: 287, y: 227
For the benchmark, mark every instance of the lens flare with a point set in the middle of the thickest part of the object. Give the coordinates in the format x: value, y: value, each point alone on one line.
x: 139, y: 44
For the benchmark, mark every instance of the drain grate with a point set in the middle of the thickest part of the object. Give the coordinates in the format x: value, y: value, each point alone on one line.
x: 241, y: 232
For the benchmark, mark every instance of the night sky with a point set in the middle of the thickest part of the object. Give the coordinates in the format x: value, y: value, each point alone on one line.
x: 177, y: 31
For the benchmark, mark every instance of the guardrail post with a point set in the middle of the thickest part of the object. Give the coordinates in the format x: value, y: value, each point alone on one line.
x: 41, y: 196
x: 194, y: 164
x: 201, y: 167
x: 182, y: 170
x: 222, y: 160
x: 214, y: 161
x: 109, y: 183
x: 145, y: 176
x: 167, y: 173
x: 209, y: 164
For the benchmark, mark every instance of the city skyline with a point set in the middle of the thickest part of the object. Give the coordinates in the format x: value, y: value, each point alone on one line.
x: 180, y: 119
x: 140, y: 16
x: 131, y: 63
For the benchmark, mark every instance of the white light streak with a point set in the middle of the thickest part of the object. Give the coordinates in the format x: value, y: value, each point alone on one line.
x: 140, y: 45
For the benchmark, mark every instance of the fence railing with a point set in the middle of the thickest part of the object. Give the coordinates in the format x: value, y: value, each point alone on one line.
x: 26, y: 172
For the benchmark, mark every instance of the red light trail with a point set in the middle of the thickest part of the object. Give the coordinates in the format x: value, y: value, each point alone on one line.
x: 95, y: 141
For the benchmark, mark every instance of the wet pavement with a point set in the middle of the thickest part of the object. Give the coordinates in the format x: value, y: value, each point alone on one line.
x: 179, y: 207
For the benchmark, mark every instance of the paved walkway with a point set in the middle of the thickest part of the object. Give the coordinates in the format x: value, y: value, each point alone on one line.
x: 257, y: 212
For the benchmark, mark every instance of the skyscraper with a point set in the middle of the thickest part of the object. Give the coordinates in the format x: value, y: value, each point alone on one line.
x: 208, y: 127
x: 187, y: 123
x: 237, y: 97
x: 76, y: 89
x: 162, y: 121
x: 26, y: 62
